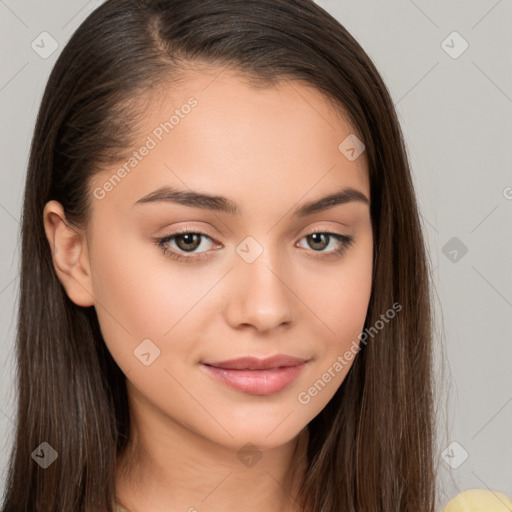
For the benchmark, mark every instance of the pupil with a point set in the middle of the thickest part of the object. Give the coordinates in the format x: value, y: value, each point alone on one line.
x: 188, y: 239
x: 314, y: 236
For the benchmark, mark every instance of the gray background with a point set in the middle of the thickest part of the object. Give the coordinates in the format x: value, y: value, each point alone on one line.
x: 455, y: 112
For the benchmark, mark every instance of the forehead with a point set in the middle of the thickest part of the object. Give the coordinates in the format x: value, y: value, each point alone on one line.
x: 225, y: 94
x: 213, y: 130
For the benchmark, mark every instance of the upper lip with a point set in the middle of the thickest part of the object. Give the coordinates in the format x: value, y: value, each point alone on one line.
x: 254, y: 363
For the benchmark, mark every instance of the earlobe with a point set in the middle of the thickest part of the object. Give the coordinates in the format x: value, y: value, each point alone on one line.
x: 69, y: 254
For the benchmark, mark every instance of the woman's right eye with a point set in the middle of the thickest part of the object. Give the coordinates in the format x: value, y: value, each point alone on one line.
x: 186, y: 241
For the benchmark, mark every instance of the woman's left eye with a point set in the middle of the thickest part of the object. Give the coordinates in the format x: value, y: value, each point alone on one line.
x: 324, y: 238
x: 190, y: 241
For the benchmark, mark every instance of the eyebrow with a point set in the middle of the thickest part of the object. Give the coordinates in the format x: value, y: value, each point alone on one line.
x: 223, y: 204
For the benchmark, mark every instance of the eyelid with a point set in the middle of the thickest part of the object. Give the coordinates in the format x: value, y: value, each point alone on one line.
x: 177, y: 255
x: 184, y: 231
x: 199, y: 231
x: 321, y: 229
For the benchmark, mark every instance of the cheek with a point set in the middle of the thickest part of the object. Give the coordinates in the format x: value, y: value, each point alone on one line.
x: 349, y: 305
x: 344, y: 304
x: 342, y: 310
x: 138, y: 294
x: 345, y: 316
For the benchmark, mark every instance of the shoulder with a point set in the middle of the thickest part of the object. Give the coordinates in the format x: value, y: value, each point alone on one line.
x: 474, y: 500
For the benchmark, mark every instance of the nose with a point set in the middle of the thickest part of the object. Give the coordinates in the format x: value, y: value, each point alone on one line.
x: 261, y: 296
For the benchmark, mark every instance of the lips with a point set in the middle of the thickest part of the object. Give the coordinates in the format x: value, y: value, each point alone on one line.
x: 257, y: 376
x: 253, y: 363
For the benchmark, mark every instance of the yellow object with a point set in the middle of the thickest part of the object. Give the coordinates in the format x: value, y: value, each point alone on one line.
x: 479, y: 500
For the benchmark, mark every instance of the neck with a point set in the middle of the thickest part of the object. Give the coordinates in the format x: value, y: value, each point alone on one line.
x: 186, y: 472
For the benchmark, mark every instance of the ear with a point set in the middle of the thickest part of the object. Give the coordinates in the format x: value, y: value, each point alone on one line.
x: 69, y: 254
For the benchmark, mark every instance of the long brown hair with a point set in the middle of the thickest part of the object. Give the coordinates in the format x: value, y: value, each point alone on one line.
x: 371, y: 448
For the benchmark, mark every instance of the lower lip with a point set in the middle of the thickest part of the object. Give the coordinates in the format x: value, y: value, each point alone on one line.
x: 257, y: 382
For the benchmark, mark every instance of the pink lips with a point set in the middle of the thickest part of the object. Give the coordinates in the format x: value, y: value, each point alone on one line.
x: 257, y: 376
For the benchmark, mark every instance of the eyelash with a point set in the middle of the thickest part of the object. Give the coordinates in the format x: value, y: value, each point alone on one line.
x: 346, y: 242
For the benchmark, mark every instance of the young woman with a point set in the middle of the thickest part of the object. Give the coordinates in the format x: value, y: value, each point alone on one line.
x: 224, y: 287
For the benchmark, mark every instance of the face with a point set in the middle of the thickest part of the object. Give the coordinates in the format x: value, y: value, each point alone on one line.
x: 183, y: 284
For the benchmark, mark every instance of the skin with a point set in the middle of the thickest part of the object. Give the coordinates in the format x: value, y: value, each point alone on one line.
x: 269, y: 150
